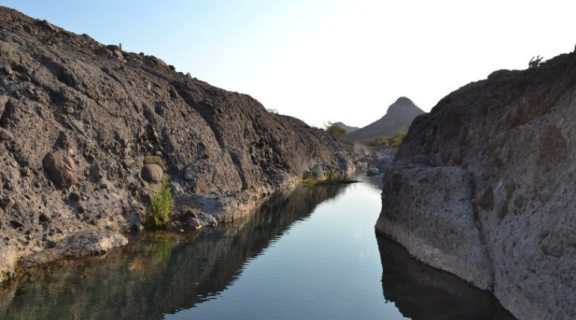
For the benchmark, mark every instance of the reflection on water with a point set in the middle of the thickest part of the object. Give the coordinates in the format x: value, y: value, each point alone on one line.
x: 157, y: 273
x: 421, y: 292
x: 281, y: 263
x: 375, y: 182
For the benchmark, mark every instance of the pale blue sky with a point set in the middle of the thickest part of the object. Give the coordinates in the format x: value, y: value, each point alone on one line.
x: 326, y: 60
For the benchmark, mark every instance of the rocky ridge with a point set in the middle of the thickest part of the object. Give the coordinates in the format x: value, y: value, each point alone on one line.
x: 88, y: 130
x: 483, y: 186
x: 349, y: 129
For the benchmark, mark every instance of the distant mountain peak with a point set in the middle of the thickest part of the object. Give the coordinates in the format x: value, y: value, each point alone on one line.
x: 404, y: 100
x: 397, y: 118
x: 402, y: 103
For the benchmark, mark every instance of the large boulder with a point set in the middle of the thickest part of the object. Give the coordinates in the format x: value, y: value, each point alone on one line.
x: 372, y: 172
x: 5, y: 135
x: 61, y: 169
x: 152, y: 173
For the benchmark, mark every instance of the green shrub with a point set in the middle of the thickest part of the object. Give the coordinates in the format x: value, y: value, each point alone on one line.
x: 335, y: 130
x: 331, y: 175
x: 161, y: 206
x: 332, y: 178
x: 378, y: 141
x: 396, y: 139
x: 393, y: 140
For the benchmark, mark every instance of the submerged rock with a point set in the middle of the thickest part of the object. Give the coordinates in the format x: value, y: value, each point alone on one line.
x: 86, y: 242
x: 372, y: 172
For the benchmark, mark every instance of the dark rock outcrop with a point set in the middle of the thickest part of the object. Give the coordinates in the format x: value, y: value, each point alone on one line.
x: 89, y: 117
x: 398, y: 117
x: 492, y: 202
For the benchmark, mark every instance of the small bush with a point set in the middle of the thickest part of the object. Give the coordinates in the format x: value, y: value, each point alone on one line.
x: 331, y: 175
x: 161, y: 206
x: 332, y: 178
x: 309, y: 179
x: 335, y: 130
x: 396, y: 139
x: 378, y: 141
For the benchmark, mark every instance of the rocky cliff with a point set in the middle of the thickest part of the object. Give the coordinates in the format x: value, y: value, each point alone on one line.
x: 483, y: 187
x: 397, y: 118
x: 88, y: 131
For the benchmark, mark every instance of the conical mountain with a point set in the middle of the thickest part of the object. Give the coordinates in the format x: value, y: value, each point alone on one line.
x: 398, y: 118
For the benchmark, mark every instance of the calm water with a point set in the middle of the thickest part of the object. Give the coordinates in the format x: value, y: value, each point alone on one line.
x: 312, y: 254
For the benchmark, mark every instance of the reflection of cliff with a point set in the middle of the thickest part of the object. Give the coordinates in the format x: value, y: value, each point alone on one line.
x: 422, y: 292
x: 156, y: 273
x: 373, y: 181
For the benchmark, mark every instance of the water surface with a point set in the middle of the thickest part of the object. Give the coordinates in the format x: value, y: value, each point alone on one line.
x: 312, y: 254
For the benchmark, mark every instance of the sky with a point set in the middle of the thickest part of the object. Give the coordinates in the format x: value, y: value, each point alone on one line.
x: 326, y: 60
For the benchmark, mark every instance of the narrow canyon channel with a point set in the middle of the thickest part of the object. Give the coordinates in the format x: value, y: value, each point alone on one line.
x: 312, y: 254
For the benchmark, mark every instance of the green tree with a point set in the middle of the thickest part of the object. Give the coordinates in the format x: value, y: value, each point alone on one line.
x: 161, y: 206
x: 335, y: 130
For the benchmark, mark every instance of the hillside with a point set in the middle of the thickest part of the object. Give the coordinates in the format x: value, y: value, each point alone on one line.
x: 348, y: 129
x: 483, y: 187
x: 398, y: 118
x: 89, y: 130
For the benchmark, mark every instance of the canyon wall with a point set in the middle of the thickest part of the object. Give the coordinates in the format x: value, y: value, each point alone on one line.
x: 483, y: 187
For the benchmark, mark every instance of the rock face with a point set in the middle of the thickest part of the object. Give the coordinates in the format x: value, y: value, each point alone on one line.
x: 483, y: 187
x: 398, y: 117
x: 85, y: 127
x: 379, y: 158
